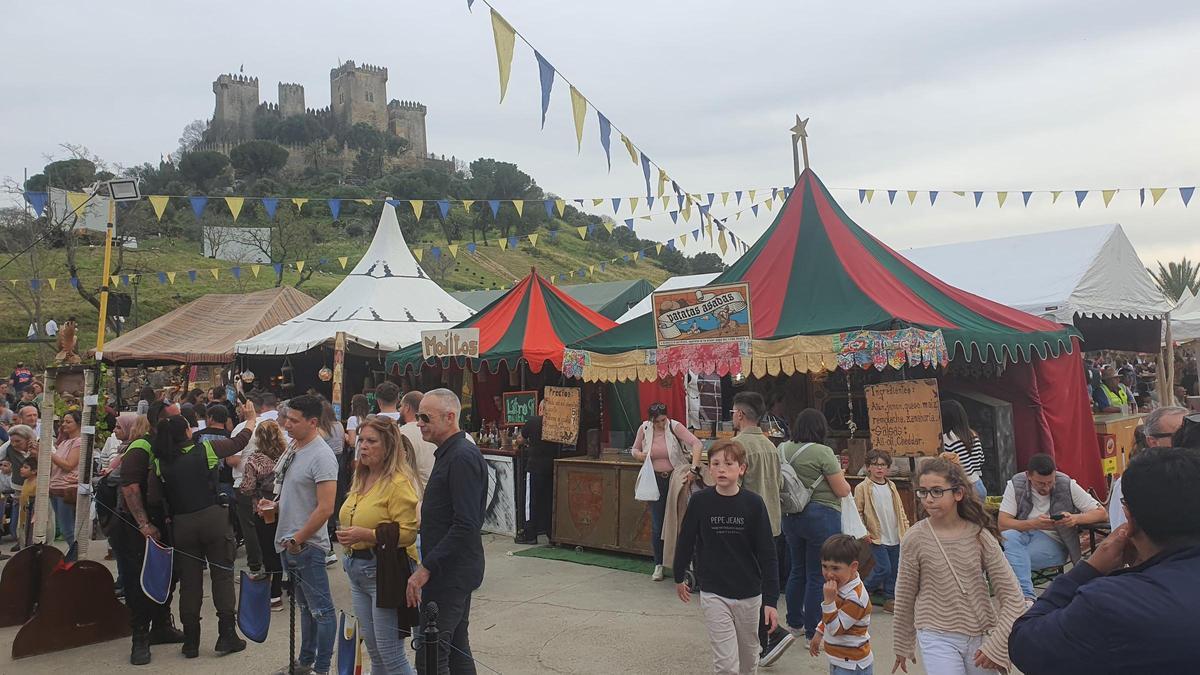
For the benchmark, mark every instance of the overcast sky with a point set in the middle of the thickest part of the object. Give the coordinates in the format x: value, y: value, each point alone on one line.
x: 1014, y: 95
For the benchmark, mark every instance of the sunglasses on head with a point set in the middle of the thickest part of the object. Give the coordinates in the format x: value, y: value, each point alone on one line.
x: 658, y: 409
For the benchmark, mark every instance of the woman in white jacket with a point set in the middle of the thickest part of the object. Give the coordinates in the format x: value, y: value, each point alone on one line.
x: 669, y: 445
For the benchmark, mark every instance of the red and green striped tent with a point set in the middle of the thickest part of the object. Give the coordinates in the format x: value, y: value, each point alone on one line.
x: 530, y: 323
x: 815, y: 272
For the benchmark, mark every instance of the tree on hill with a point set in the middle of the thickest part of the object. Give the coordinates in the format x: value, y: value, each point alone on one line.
x: 201, y: 168
x: 707, y: 263
x: 257, y: 159
x: 491, y: 179
x: 299, y: 130
x: 192, y: 135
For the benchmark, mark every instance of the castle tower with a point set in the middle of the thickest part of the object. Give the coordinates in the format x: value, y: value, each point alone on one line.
x: 359, y: 94
x: 407, y: 120
x: 237, y: 101
x: 291, y: 99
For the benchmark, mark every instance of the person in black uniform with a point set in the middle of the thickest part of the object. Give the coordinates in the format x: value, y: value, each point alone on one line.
x: 539, y: 462
x: 200, y: 524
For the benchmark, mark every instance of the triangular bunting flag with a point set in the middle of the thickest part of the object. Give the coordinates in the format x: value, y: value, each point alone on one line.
x: 494, y: 205
x: 335, y: 208
x: 978, y: 196
x: 1156, y: 194
x: 191, y: 276
x: 254, y: 270
x: 76, y: 202
x: 236, y: 271
x: 1054, y: 195
x: 270, y: 204
x: 751, y: 194
x: 471, y: 247
x: 770, y: 205
x: 38, y: 201
x: 436, y: 251
x: 533, y: 240
x: 629, y: 223
x: 891, y: 196
x: 658, y: 248
x: 579, y: 113
x: 418, y: 253
x: 932, y: 197
x: 235, y: 206
x: 512, y: 243
x: 466, y: 203
x: 591, y: 270
x: 546, y: 77
x: 870, y: 195
x: 443, y: 208
x: 453, y: 250
x: 215, y: 272
x: 1141, y: 196
x: 633, y: 153
x: 198, y: 204
x: 616, y: 204
x: 633, y: 203
x: 1107, y: 195
x: 53, y: 284
x: 418, y: 205
x: 646, y: 172
x: 1185, y: 193
x: 278, y: 267
x: 162, y: 277
x: 754, y: 210
x: 159, y: 203
x: 605, y: 137
x: 299, y: 202
x: 635, y: 255
x: 505, y: 38
x: 1025, y: 197
x: 724, y: 199
x: 582, y: 232
x: 608, y: 225
x: 738, y: 196
x: 1080, y: 195
x: 912, y: 197
x: 862, y: 194
x: 549, y: 206
x: 560, y: 205
x: 1001, y: 197
x: 597, y: 201
x: 674, y: 216
x: 721, y: 241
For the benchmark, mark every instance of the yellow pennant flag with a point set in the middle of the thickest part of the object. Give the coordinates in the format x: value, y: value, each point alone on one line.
x: 216, y: 273
x: 467, y: 204
x: 687, y: 211
x: 75, y: 203
x: 519, y: 205
x: 912, y: 197
x: 133, y: 278
x: 770, y: 204
x: 1108, y: 195
x: 453, y: 248
x: 560, y: 205
x: 299, y: 202
x: 752, y: 195
x: 417, y: 205
x: 235, y: 206
x: 633, y: 153
x: 597, y: 202
x: 342, y: 260
x: 503, y: 243
x: 608, y: 226
x: 591, y: 270
x: 417, y: 253
x: 53, y: 284
x: 1157, y: 193
x: 634, y: 256
x: 870, y: 195
x: 1001, y: 197
x: 13, y: 282
x: 633, y: 204
x: 961, y: 193
x: 159, y: 202
x: 505, y: 38
x: 579, y: 111
x: 662, y: 183
x: 299, y: 266
x: 1054, y: 195
x: 582, y: 230
x: 171, y: 277
x: 737, y: 216
x: 658, y: 248
x: 533, y: 240
x: 722, y: 242
x: 253, y: 270
x: 368, y: 202
x: 724, y: 199
x: 116, y: 281
x: 682, y: 240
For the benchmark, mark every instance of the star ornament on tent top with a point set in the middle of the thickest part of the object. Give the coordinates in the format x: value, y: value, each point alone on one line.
x: 799, y: 130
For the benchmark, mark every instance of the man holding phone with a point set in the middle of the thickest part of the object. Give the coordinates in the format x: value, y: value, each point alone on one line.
x: 1040, y: 516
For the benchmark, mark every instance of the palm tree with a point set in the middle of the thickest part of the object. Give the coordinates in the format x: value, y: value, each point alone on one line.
x: 1175, y: 278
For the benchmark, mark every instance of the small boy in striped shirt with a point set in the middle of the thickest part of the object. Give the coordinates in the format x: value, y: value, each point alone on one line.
x: 846, y: 611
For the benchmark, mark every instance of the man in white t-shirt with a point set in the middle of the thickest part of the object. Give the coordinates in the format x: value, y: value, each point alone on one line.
x: 51, y: 327
x: 424, y: 450
x: 1040, y: 516
x: 387, y: 397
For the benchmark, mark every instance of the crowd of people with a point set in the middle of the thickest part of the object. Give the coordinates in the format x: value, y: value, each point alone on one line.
x: 958, y: 580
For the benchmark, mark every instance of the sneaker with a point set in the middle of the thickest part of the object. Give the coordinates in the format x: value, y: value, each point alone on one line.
x: 777, y: 643
x: 277, y: 604
x: 299, y: 670
x: 330, y: 559
x: 657, y: 575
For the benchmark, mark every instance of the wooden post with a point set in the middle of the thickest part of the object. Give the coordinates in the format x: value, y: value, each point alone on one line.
x: 104, y: 279
x: 799, y: 136
x: 339, y: 358
x: 1167, y: 373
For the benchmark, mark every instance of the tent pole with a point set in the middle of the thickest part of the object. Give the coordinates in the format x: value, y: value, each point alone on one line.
x: 1168, y: 373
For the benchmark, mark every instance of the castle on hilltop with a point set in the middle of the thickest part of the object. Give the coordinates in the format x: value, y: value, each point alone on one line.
x: 357, y: 93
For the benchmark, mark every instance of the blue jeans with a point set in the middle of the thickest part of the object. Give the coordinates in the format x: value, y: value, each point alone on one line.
x: 887, y: 564
x: 838, y: 670
x: 64, y: 516
x: 1033, y: 550
x: 981, y: 489
x: 379, y: 627
x: 658, y: 513
x: 806, y: 532
x: 318, y: 622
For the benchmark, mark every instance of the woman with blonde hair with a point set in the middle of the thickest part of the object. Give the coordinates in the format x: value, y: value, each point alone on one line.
x: 384, y: 489
x: 258, y: 481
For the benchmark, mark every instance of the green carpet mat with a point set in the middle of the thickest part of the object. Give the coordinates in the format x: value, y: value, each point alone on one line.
x: 614, y: 561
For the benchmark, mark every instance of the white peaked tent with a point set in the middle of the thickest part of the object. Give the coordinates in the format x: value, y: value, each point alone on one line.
x: 383, y: 305
x: 685, y: 281
x: 1089, y: 276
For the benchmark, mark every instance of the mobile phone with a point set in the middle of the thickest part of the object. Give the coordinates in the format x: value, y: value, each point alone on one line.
x: 1057, y: 516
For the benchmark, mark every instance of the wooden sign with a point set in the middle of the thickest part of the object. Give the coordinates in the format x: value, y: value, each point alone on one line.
x: 561, y: 422
x: 905, y: 417
x: 452, y: 342
x: 702, y: 315
x: 518, y: 406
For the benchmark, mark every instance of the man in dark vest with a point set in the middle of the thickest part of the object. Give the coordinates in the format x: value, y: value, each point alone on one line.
x: 1040, y: 516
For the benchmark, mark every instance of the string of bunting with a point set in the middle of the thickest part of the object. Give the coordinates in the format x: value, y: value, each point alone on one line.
x: 866, y: 195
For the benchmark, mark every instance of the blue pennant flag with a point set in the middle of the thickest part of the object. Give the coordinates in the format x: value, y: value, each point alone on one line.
x: 605, y: 137
x: 711, y: 197
x: 629, y: 223
x: 443, y: 207
x: 1025, y: 195
x: 674, y: 216
x: 1141, y: 196
x: 862, y: 196
x: 787, y: 192
x: 322, y: 261
x: 891, y: 196
x: 38, y: 201
x: 1081, y: 195
x: 774, y: 191
x: 602, y: 266
x: 646, y: 172
x: 494, y: 204
x: 932, y: 197
x: 124, y: 279
x: 469, y: 4
x: 162, y: 277
x: 649, y: 202
x: 625, y: 257
x: 436, y: 251
x: 198, y: 204
x: 75, y: 281
x: 978, y: 197
x: 738, y: 195
x: 335, y: 208
x: 192, y: 276
x: 278, y: 268
x: 704, y: 209
x: 394, y: 203
x: 549, y: 204
x: 512, y: 243
x: 272, y: 203
x: 675, y: 188
x: 671, y: 244
x: 236, y: 271
x: 35, y: 284
x: 754, y: 209
x: 579, y: 202
x: 1185, y: 193
x: 546, y: 75
x: 591, y: 228
x: 616, y: 202
x: 553, y: 235
x: 471, y: 247
x: 695, y: 235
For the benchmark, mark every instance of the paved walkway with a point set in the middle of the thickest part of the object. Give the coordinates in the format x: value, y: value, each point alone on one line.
x: 530, y: 616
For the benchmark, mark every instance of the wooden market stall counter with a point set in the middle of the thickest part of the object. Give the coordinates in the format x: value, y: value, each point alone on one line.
x: 594, y: 505
x: 1115, y: 436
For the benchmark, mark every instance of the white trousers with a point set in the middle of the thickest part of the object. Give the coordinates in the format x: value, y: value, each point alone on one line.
x: 950, y: 653
x: 732, y: 632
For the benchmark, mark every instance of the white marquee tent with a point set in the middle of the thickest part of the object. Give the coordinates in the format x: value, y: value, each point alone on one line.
x: 685, y: 281
x: 1089, y: 276
x: 383, y: 305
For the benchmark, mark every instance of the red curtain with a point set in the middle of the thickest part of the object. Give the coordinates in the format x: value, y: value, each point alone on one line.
x: 670, y: 391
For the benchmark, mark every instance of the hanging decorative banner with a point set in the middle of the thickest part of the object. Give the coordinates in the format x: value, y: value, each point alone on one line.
x: 905, y: 417
x: 454, y: 342
x: 560, y: 423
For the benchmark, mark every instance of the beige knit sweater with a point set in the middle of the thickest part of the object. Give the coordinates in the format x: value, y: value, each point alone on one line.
x: 927, y: 595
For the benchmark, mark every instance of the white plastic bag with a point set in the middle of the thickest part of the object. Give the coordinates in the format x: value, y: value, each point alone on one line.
x: 646, y: 489
x: 852, y: 523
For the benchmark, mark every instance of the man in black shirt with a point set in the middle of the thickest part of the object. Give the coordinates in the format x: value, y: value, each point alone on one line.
x: 539, y: 462
x: 735, y: 560
x: 451, y: 547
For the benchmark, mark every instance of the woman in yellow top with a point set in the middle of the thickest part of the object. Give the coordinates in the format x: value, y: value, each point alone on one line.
x: 384, y: 490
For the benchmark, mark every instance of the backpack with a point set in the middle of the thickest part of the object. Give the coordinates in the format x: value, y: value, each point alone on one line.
x: 793, y: 494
